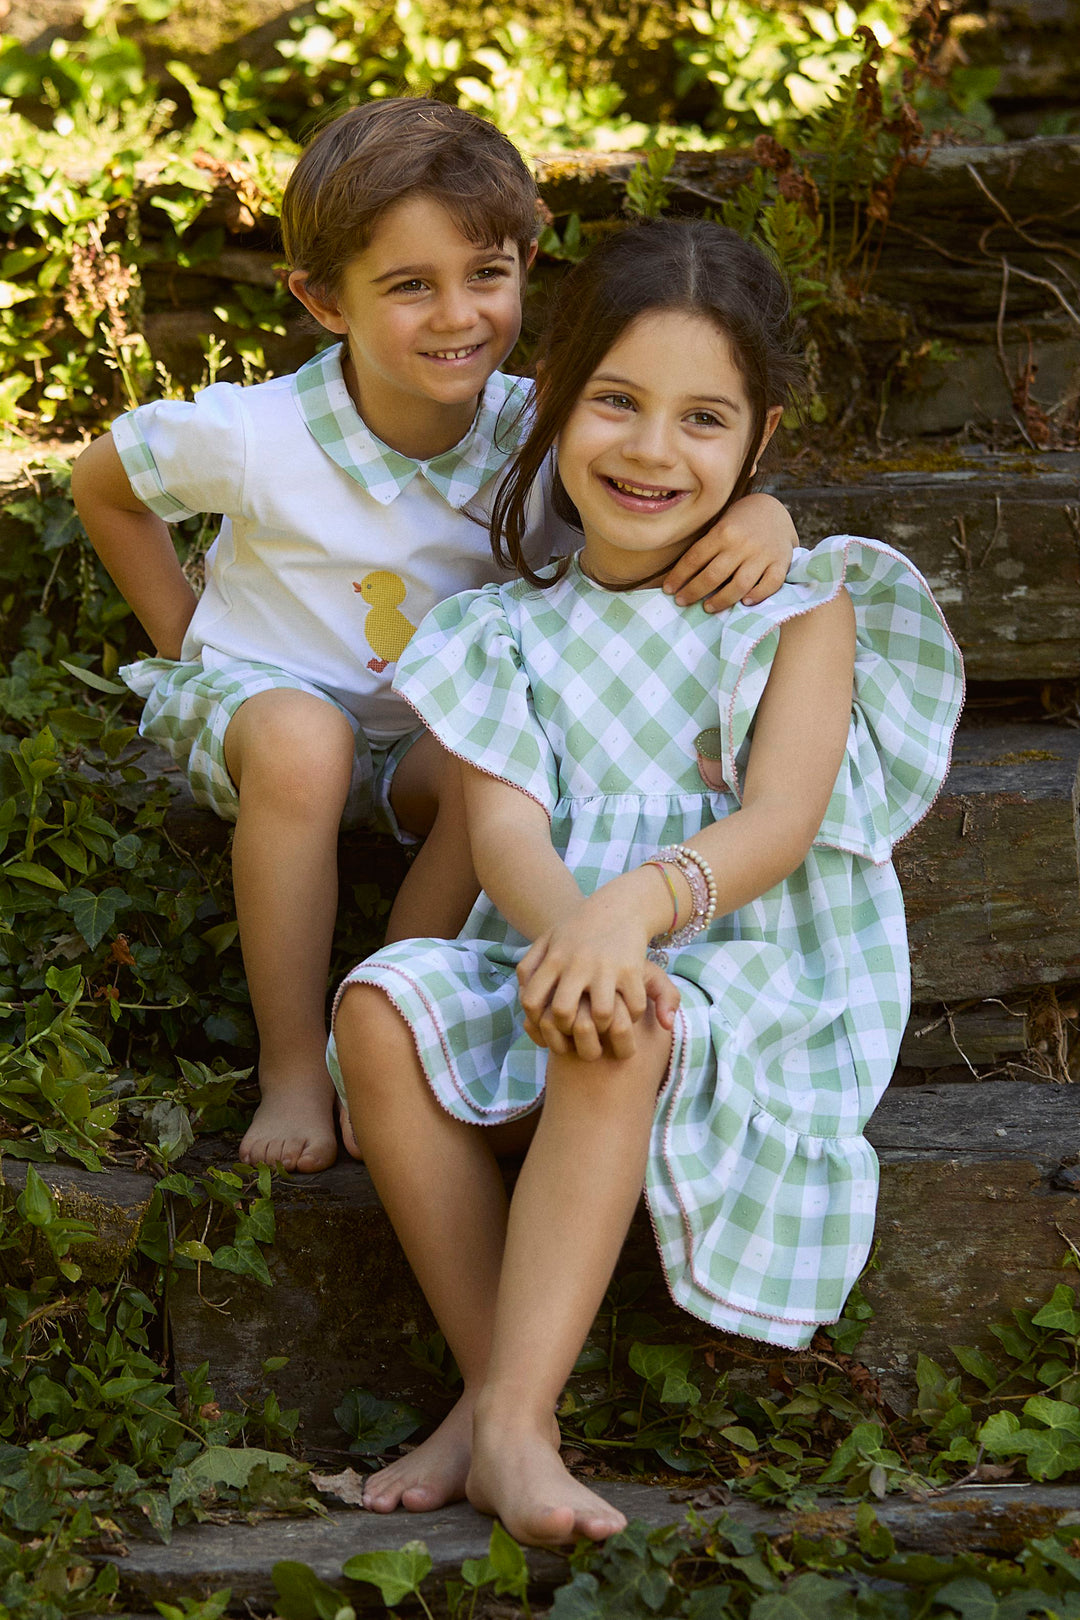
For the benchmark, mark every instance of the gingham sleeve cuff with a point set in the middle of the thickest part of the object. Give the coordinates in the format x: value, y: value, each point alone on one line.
x: 141, y: 468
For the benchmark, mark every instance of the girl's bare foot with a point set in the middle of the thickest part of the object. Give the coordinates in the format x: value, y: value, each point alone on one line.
x: 293, y: 1127
x: 432, y: 1475
x: 518, y: 1476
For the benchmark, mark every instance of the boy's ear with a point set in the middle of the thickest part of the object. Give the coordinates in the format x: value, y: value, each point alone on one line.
x: 772, y: 422
x: 534, y: 248
x: 321, y: 305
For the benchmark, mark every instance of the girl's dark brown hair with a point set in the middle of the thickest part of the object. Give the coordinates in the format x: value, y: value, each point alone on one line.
x: 687, y: 266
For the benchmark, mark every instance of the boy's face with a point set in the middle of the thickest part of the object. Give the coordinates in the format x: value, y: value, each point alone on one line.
x: 428, y: 316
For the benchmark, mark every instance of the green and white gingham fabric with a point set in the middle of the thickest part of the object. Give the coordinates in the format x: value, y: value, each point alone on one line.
x: 187, y: 710
x: 458, y: 474
x: 761, y: 1186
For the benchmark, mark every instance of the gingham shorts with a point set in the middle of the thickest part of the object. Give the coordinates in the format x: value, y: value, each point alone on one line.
x: 187, y: 712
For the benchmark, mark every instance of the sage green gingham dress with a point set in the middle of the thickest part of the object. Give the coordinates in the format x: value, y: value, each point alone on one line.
x: 760, y: 1184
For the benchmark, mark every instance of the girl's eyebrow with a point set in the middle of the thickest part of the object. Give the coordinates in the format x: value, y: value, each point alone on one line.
x: 606, y: 379
x: 405, y: 271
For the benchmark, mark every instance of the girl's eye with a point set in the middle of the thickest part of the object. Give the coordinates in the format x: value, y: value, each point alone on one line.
x: 620, y: 402
x: 705, y: 419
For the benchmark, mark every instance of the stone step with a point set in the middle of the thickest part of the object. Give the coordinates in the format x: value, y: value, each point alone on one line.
x: 205, y: 1558
x: 996, y: 537
x: 979, y: 1190
x: 991, y: 876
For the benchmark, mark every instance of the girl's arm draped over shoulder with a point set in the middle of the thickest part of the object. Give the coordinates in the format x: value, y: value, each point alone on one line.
x: 134, y: 544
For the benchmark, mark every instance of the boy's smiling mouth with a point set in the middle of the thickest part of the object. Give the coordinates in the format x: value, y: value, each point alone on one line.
x: 453, y: 354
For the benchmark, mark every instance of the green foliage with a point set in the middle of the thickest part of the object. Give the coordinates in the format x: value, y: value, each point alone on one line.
x: 773, y: 67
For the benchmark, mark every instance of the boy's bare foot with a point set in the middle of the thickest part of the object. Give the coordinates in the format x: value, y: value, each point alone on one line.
x: 518, y: 1476
x: 293, y: 1127
x: 432, y: 1475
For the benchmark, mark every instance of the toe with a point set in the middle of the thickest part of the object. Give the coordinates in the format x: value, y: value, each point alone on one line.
x: 316, y: 1156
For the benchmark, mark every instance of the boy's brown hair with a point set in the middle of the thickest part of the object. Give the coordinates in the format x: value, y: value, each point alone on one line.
x: 376, y: 155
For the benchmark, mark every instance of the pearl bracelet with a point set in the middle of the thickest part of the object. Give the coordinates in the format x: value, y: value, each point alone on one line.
x: 702, y: 885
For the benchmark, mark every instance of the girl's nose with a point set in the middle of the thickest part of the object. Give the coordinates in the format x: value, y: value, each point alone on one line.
x: 651, y: 441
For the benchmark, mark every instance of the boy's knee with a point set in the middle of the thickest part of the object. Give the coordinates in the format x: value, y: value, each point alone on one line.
x: 292, y: 745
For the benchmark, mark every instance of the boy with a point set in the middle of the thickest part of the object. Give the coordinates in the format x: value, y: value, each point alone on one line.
x: 354, y: 494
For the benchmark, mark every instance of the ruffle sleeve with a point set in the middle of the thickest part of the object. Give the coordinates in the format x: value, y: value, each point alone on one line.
x: 462, y: 672
x: 909, y: 687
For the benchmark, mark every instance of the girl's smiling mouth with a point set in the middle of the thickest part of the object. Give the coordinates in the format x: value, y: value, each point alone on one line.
x: 643, y: 497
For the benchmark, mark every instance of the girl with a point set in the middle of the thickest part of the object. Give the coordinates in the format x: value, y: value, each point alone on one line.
x: 647, y: 788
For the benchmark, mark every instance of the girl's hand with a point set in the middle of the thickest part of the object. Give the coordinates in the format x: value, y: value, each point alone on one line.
x: 586, y: 982
x: 744, y: 557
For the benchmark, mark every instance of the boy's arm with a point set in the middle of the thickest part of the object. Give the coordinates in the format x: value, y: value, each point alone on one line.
x: 134, y: 544
x: 747, y: 553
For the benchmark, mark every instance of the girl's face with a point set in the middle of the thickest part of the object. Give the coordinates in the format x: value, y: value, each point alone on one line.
x: 654, y: 446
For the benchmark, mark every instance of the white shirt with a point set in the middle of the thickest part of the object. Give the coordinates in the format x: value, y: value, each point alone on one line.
x: 333, y: 546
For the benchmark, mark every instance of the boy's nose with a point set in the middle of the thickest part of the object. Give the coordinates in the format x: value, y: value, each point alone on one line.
x: 454, y: 312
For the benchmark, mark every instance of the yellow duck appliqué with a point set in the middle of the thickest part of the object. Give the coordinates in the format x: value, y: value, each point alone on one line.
x: 388, y: 631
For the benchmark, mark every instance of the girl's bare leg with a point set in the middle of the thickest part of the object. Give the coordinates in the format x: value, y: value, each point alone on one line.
x: 570, y: 1212
x: 290, y: 755
x: 442, y: 1189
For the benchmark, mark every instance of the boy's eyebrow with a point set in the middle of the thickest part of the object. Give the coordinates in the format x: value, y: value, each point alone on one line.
x: 608, y: 378
x: 402, y: 272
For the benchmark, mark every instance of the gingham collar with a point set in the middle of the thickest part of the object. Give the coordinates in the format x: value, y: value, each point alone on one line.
x: 458, y: 474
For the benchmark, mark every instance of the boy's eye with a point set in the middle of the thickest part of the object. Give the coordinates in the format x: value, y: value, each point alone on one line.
x: 491, y: 272
x: 414, y: 284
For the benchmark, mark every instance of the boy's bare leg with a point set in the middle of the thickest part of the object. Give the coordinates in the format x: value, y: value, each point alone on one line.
x: 290, y: 755
x: 442, y: 1189
x: 440, y: 887
x: 570, y: 1212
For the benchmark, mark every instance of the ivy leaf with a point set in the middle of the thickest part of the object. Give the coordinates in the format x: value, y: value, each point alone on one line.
x: 395, y: 1573
x: 303, y: 1596
x: 94, y: 914
x: 665, y: 1368
x: 1059, y: 1312
x: 974, y: 1600
x: 580, y: 1600
x: 233, y: 1466
x: 376, y: 1425
x: 508, y: 1565
x: 977, y: 1364
x: 808, y: 1597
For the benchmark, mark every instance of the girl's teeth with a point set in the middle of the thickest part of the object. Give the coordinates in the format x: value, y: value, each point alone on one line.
x: 453, y: 354
x: 647, y: 494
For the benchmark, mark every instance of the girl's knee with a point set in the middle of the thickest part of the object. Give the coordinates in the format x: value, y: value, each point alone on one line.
x: 372, y: 1039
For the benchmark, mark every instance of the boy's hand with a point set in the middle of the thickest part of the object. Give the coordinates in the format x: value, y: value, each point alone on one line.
x: 743, y: 558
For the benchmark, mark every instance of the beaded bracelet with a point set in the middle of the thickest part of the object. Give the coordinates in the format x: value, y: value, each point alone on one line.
x: 699, y: 877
